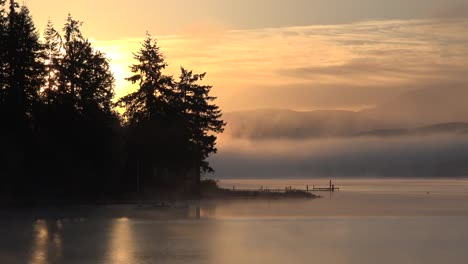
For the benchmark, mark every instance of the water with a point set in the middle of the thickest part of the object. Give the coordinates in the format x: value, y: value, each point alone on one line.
x: 368, y: 221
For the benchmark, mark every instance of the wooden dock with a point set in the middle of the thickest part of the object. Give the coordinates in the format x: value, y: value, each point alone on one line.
x: 324, y: 189
x: 330, y: 188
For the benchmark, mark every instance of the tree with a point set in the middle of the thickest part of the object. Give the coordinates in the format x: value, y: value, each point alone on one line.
x: 203, y: 117
x: 153, y: 98
x: 53, y: 47
x: 21, y: 80
x: 72, y: 63
x: 3, y: 37
x: 60, y: 133
x: 171, y: 124
x: 3, y: 67
x: 79, y: 117
x: 85, y: 78
x: 156, y: 128
x: 24, y: 70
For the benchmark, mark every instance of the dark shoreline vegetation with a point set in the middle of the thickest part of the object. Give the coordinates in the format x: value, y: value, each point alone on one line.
x: 64, y: 137
x: 209, y: 191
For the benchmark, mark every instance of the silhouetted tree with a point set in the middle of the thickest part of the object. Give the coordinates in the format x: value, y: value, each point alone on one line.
x: 21, y: 79
x: 24, y: 70
x: 149, y: 111
x: 170, y: 124
x: 3, y: 67
x: 152, y: 99
x: 203, y: 117
x: 53, y: 55
x: 3, y: 37
x: 84, y: 74
x: 79, y: 119
x: 60, y: 134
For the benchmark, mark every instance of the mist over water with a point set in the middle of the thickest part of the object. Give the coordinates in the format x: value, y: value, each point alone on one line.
x: 371, y: 96
x: 422, y: 156
x: 368, y: 221
x: 365, y: 197
x: 421, y: 133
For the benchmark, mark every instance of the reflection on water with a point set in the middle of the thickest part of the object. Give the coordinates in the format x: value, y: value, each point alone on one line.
x: 40, y: 247
x: 367, y: 224
x: 121, y: 244
x: 47, y: 244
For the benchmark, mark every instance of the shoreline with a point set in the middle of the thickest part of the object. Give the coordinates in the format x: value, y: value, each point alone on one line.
x: 227, y: 194
x: 219, y: 194
x: 209, y: 190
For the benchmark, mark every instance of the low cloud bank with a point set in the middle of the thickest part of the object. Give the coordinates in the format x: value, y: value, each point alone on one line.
x: 406, y: 156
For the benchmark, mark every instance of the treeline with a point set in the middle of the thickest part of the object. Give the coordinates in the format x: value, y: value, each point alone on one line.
x: 63, y: 134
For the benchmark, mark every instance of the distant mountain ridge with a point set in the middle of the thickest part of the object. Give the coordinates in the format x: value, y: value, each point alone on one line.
x: 423, y: 107
x: 427, y: 111
x: 278, y: 123
x: 444, y: 128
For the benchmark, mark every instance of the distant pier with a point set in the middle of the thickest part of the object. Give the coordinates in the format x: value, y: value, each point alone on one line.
x: 315, y: 188
x: 330, y: 188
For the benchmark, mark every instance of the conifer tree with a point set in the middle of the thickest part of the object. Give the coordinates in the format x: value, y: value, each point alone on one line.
x: 53, y: 47
x: 3, y: 36
x: 21, y: 79
x: 203, y: 117
x: 171, y: 124
x: 155, y: 93
x: 85, y: 78
x: 72, y: 62
x: 81, y: 114
x: 24, y: 69
x: 3, y: 66
x: 59, y: 124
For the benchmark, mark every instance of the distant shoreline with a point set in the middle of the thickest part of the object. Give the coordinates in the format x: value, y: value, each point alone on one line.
x: 210, y: 195
x: 221, y: 193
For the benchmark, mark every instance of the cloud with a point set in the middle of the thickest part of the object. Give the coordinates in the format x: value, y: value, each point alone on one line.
x: 358, y: 64
x: 349, y: 66
x: 455, y: 10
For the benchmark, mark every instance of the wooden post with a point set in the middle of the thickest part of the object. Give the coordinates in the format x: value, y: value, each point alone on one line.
x: 307, y: 187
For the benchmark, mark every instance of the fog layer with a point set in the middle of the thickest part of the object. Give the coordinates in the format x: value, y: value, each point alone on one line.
x: 442, y: 155
x: 422, y: 133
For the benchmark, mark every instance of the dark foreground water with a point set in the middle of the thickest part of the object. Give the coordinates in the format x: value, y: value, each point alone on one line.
x: 368, y: 221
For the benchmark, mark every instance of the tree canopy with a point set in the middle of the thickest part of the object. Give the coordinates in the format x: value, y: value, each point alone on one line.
x: 65, y: 134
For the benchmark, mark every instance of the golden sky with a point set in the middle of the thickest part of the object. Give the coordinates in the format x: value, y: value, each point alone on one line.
x: 297, y: 54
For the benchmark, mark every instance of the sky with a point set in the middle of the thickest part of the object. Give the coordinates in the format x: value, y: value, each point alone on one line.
x: 295, y: 54
x: 406, y: 58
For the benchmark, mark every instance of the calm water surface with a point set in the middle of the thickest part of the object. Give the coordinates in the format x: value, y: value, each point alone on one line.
x: 368, y: 221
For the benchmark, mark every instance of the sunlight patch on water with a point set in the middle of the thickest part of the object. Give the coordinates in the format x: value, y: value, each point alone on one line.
x: 122, y: 249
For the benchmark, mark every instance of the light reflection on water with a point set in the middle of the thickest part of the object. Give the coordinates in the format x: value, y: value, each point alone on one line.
x: 40, y: 249
x: 47, y: 242
x: 121, y: 249
x: 361, y: 227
